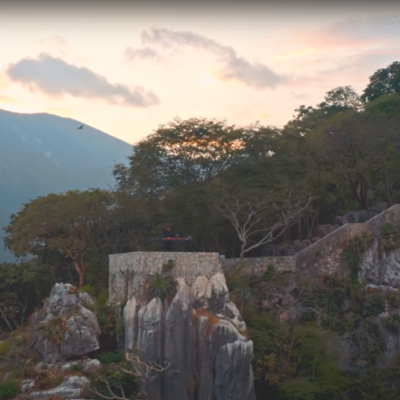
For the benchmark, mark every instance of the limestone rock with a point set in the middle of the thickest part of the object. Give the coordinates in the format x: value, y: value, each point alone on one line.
x: 380, y: 270
x: 91, y: 366
x: 27, y: 385
x: 234, y: 376
x: 71, y: 388
x: 65, y: 328
x: 194, y: 332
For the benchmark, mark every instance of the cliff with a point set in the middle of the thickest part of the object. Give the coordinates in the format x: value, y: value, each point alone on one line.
x: 196, y: 330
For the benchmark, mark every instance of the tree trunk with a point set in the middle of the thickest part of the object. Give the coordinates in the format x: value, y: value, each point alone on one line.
x: 81, y: 273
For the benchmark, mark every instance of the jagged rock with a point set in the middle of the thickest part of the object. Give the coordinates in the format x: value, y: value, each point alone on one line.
x: 178, y: 345
x: 188, y: 331
x: 27, y: 385
x: 234, y: 378
x: 91, y: 366
x: 71, y: 388
x: 78, y: 325
x: 130, y: 321
x: 149, y: 333
x: 380, y: 270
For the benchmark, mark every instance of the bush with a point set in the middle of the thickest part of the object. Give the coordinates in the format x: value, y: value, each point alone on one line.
x: 111, y: 358
x: 55, y: 330
x: 269, y: 273
x: 9, y: 389
x: 4, y: 348
x: 90, y: 290
x: 354, y: 248
x: 168, y: 266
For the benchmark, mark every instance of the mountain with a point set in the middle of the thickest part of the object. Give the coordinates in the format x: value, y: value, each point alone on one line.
x: 44, y: 153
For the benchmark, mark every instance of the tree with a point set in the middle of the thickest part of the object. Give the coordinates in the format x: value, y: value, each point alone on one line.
x: 388, y: 104
x: 363, y: 153
x: 17, y: 293
x: 259, y: 217
x: 179, y: 153
x: 336, y: 101
x: 342, y: 98
x: 62, y: 222
x: 383, y: 81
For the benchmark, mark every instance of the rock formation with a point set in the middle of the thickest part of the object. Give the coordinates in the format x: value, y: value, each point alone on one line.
x: 65, y: 327
x: 198, y: 330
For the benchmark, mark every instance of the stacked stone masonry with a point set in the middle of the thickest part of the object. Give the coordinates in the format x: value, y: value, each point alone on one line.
x: 321, y: 257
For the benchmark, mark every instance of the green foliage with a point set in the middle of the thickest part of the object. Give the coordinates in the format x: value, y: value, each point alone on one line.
x: 9, y: 389
x: 111, y: 358
x: 392, y: 323
x: 90, y: 290
x: 377, y: 384
x: 162, y: 285
x: 242, y: 293
x: 390, y: 238
x: 354, y: 248
x: 54, y: 330
x: 77, y: 368
x: 4, y: 347
x: 117, y: 380
x: 168, y: 266
x: 383, y: 81
x: 269, y: 273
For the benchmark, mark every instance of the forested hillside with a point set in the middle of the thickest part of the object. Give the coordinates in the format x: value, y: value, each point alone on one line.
x: 236, y: 190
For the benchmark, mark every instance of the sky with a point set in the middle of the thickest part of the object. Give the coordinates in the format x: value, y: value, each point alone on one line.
x: 127, y: 67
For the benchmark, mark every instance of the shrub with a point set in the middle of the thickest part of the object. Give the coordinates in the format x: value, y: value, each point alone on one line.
x: 111, y: 358
x: 55, y: 330
x: 392, y: 323
x: 354, y: 248
x: 9, y: 389
x: 162, y: 285
x: 168, y: 266
x: 269, y: 273
x: 77, y: 368
x: 90, y: 290
x: 4, y: 348
x: 390, y: 238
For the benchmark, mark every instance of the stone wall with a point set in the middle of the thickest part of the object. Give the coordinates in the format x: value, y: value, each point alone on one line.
x: 128, y: 271
x: 257, y: 266
x: 320, y: 258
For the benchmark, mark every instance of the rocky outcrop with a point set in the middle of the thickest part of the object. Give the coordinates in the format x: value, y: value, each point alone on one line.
x: 380, y: 269
x: 65, y: 327
x: 198, y: 330
x: 72, y: 388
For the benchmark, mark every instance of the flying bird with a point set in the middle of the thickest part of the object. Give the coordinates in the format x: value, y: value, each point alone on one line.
x: 81, y: 127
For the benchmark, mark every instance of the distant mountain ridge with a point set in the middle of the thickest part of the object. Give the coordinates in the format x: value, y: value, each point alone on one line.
x: 43, y: 153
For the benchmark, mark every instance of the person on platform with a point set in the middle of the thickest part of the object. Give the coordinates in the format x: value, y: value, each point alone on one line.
x: 167, y: 236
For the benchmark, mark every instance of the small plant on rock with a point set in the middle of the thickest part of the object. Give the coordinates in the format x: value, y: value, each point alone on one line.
x: 162, y: 285
x: 390, y: 238
x: 168, y: 266
x: 354, y: 248
x: 392, y: 323
x: 269, y: 273
x: 55, y: 330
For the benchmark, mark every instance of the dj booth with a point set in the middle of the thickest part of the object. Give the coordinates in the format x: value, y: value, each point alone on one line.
x: 169, y: 241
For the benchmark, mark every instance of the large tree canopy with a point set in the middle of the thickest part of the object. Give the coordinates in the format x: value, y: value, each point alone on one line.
x: 383, y: 81
x: 62, y: 222
x: 179, y: 153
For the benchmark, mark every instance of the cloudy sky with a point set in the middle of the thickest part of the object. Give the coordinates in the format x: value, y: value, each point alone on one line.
x: 127, y: 69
